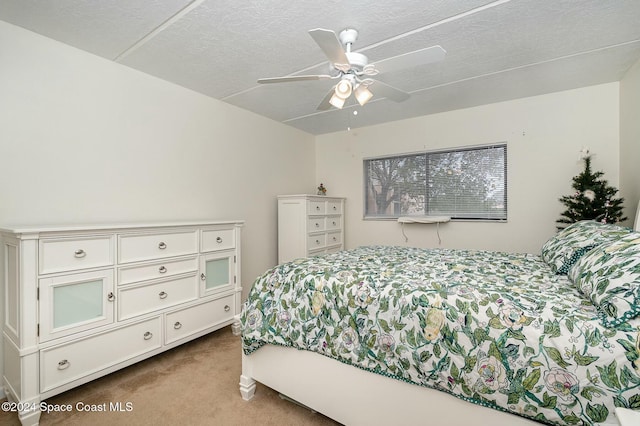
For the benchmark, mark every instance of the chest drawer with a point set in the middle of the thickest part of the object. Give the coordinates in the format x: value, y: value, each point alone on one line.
x: 217, y: 239
x: 71, y: 254
x: 315, y: 224
x: 316, y: 207
x: 72, y: 361
x: 334, y: 238
x: 334, y: 207
x: 334, y: 249
x: 139, y: 247
x: 316, y: 241
x: 333, y: 223
x: 142, y: 299
x: 191, y: 320
x: 149, y: 271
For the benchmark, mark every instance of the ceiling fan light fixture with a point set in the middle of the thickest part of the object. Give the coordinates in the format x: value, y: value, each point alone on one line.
x: 337, y: 101
x: 343, y: 89
x: 362, y: 94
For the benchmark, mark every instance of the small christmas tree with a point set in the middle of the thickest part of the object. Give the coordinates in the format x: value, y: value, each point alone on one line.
x: 594, y: 199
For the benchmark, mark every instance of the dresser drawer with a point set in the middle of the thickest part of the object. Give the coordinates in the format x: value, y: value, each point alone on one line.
x: 138, y: 247
x: 316, y: 224
x: 217, y: 239
x: 142, y: 299
x: 186, y: 322
x: 333, y: 222
x: 334, y: 207
x: 71, y: 254
x: 149, y: 271
x: 72, y: 361
x: 316, y: 241
x: 318, y: 252
x: 334, y: 249
x: 334, y: 238
x: 317, y: 207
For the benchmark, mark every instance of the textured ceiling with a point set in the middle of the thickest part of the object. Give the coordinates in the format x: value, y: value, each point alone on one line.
x: 496, y: 50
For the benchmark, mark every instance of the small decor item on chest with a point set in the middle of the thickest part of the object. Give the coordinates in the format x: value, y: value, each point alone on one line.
x: 322, y: 190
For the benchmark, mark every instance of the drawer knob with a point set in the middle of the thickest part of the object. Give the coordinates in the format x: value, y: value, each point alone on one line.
x: 163, y: 295
x: 317, y: 207
x: 162, y: 270
x: 219, y: 240
x: 317, y: 225
x: 335, y: 208
x: 203, y: 277
x: 79, y: 253
x: 63, y: 365
x: 227, y: 308
x: 162, y: 245
x: 318, y: 242
x: 177, y: 325
x: 148, y: 335
x: 334, y: 223
x: 335, y: 239
x: 111, y: 297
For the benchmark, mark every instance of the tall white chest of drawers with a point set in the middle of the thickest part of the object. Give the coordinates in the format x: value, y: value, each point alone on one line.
x: 82, y: 302
x: 309, y: 225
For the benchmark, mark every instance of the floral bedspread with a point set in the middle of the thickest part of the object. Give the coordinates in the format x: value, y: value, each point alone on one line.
x: 496, y: 329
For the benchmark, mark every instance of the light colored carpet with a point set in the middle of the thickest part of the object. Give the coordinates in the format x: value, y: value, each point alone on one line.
x: 194, y: 384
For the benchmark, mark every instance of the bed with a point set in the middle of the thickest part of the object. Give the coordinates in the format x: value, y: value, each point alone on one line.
x: 402, y: 335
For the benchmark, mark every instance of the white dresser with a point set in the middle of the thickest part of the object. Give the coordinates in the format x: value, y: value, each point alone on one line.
x: 82, y: 302
x: 309, y: 225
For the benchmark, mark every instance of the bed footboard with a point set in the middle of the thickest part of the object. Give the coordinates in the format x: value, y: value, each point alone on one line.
x: 356, y: 397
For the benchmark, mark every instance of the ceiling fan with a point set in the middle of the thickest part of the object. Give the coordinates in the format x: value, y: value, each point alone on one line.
x: 353, y: 70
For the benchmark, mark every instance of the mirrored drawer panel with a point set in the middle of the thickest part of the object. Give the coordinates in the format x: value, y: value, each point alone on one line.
x: 75, y: 302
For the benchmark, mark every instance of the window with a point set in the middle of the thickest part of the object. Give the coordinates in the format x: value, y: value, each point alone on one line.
x: 464, y: 183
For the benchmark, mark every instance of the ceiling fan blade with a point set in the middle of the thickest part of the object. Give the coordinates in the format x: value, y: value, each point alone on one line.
x: 407, y: 60
x: 380, y: 89
x: 294, y: 78
x: 331, y: 46
x: 325, y: 104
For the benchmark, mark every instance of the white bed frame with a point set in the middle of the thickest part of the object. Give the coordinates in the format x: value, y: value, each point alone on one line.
x: 353, y: 396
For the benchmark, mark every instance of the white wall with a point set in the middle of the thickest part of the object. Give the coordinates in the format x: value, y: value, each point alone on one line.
x: 544, y: 135
x: 630, y: 140
x: 85, y: 140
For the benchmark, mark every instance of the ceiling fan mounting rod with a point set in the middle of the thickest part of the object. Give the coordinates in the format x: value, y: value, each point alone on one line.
x: 357, y: 61
x: 347, y: 37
